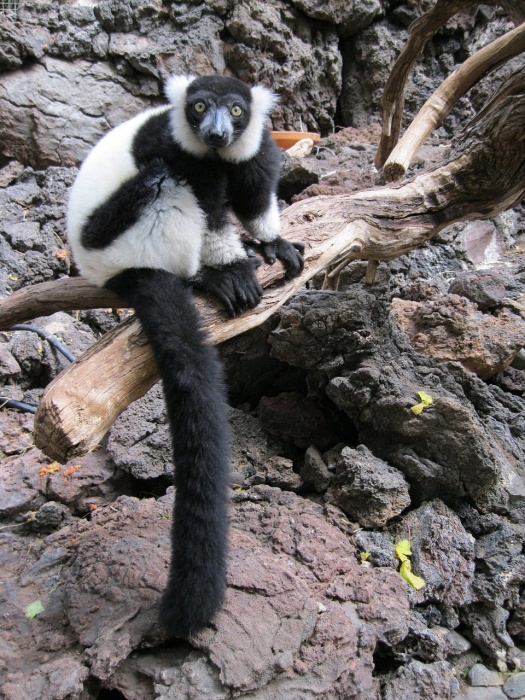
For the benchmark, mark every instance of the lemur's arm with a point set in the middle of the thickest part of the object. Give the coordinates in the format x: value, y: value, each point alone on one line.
x: 227, y: 272
x: 253, y: 186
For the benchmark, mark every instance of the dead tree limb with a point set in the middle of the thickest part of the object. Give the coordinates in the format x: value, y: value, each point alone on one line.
x: 441, y: 103
x: 47, y: 297
x: 420, y: 33
x: 482, y: 176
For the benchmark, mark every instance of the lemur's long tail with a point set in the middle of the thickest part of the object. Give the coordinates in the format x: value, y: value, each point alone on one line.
x: 197, y: 410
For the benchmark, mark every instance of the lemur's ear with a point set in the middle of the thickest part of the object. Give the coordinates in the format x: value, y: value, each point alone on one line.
x: 263, y: 100
x: 175, y: 88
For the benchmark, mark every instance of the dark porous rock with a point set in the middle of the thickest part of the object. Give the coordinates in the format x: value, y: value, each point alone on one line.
x: 50, y: 516
x: 500, y: 564
x: 452, y: 328
x: 278, y: 40
x: 296, y: 176
x: 419, y: 680
x: 379, y: 601
x: 40, y: 656
x: 430, y: 642
x: 21, y: 488
x: 86, y: 482
x: 16, y: 432
x: 379, y: 547
x: 140, y: 441
x: 32, y: 229
x: 314, y: 472
x: 324, y: 330
x: 297, y: 419
x: 359, y: 356
x: 486, y: 626
x: 442, y: 553
x: 511, y: 379
x: 253, y: 451
x: 367, y: 489
x: 114, y: 579
x: 279, y: 471
x: 516, y: 626
x: 301, y: 616
x: 39, y: 358
x: 351, y: 17
x: 485, y: 288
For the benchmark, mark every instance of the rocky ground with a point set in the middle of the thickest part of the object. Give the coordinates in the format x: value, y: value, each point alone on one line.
x: 331, y: 467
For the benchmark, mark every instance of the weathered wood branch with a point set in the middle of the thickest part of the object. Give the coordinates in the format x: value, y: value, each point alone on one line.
x: 442, y: 101
x: 47, y: 297
x: 420, y: 33
x: 482, y: 176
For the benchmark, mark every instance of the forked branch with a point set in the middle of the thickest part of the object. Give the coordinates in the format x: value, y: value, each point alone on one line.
x: 482, y: 176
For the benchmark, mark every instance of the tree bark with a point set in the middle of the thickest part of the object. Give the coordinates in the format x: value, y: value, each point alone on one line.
x: 440, y: 104
x: 420, y: 33
x: 483, y: 175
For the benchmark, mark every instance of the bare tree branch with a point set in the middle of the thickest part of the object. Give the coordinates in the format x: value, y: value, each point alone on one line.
x: 482, y: 176
x: 441, y: 103
x: 420, y: 33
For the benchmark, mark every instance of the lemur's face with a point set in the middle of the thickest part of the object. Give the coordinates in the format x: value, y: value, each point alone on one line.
x: 218, y: 111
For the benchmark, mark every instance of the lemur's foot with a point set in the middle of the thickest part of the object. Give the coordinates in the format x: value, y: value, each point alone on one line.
x: 290, y: 254
x: 235, y: 285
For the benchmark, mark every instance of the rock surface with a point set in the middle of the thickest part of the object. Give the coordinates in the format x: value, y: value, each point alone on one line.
x: 323, y: 390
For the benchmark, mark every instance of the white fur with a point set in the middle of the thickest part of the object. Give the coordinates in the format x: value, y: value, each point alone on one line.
x: 176, y: 89
x: 244, y: 148
x: 247, y: 145
x: 106, y: 167
x: 222, y: 247
x: 267, y: 226
x: 167, y: 237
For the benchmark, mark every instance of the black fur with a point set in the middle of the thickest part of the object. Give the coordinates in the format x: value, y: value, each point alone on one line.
x: 123, y: 208
x: 191, y: 373
x: 197, y: 409
x: 235, y: 285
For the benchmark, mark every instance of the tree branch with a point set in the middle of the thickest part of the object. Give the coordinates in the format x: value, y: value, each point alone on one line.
x: 441, y: 103
x: 482, y: 176
x: 420, y: 33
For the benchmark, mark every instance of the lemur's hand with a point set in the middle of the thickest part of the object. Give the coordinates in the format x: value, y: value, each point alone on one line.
x: 235, y: 285
x: 290, y: 254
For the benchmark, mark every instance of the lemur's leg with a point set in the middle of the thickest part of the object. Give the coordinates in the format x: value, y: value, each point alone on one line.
x: 227, y: 272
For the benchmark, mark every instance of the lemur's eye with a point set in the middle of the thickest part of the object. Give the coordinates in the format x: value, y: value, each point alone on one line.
x: 199, y: 107
x: 236, y: 111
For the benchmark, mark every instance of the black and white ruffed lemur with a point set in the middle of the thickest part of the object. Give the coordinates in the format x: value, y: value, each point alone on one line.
x: 149, y: 217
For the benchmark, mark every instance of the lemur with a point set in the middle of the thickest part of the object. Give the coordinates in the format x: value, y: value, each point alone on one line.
x: 148, y: 218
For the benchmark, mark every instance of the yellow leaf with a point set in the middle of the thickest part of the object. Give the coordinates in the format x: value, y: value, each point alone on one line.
x: 33, y: 609
x: 406, y: 572
x: 417, y: 408
x: 426, y: 399
x: 365, y: 556
x: 402, y: 549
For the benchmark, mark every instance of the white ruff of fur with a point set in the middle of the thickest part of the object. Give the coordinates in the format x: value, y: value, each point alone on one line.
x: 167, y: 237
x: 243, y: 148
x: 176, y: 89
x: 267, y: 226
x: 248, y: 143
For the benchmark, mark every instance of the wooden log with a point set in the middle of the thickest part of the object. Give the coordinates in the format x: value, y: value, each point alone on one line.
x: 441, y: 102
x: 45, y: 298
